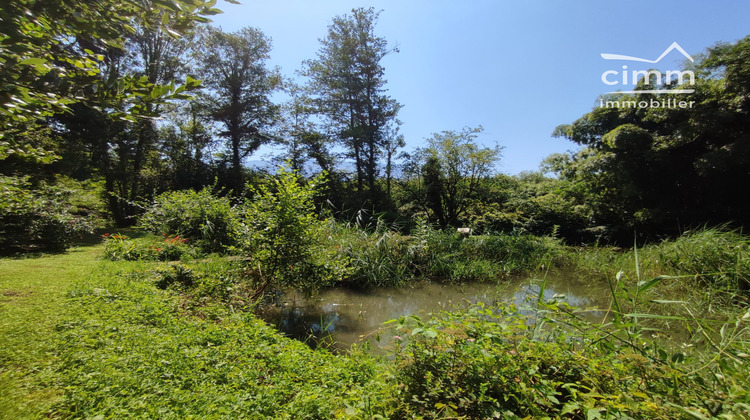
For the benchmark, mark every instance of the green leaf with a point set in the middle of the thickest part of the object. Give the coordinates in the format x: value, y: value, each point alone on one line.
x: 39, y: 64
x: 34, y: 61
x: 645, y: 285
x: 592, y: 413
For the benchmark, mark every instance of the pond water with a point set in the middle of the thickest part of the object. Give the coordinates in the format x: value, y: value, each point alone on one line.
x: 346, y: 317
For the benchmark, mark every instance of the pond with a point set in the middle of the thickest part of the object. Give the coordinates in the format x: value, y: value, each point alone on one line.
x: 343, y: 317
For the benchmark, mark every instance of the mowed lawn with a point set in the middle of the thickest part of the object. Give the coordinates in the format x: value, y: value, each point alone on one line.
x: 32, y: 303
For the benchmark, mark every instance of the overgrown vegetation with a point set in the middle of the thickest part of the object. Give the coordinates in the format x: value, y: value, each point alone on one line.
x: 284, y: 243
x: 47, y: 218
x: 137, y: 63
x: 163, y: 326
x: 151, y: 339
x: 127, y: 352
x: 496, y: 363
x: 210, y: 221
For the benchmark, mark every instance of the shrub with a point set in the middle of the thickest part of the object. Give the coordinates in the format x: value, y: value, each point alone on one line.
x: 152, y: 248
x: 219, y: 281
x: 41, y: 217
x: 485, y: 364
x: 283, y: 237
x: 211, y: 222
x: 176, y: 274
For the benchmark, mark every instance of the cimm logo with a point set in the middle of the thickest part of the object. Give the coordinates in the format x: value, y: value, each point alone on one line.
x: 625, y: 77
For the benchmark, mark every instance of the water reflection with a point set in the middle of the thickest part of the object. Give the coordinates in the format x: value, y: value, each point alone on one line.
x: 345, y: 317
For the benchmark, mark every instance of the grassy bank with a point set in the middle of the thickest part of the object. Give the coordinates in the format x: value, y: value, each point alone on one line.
x: 83, y: 337
x: 705, y: 272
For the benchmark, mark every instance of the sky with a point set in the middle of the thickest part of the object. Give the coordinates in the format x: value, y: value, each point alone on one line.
x: 517, y: 68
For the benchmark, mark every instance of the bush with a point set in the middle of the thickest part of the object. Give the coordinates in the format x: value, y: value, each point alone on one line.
x: 284, y: 240
x: 152, y: 248
x: 218, y: 281
x: 38, y: 218
x: 485, y: 364
x: 210, y: 222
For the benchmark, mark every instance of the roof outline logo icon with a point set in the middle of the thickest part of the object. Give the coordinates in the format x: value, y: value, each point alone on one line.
x: 674, y: 46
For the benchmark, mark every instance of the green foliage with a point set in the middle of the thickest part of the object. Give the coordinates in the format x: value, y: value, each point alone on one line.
x: 657, y: 169
x: 707, y: 382
x: 135, y: 339
x: 379, y: 259
x: 234, y: 67
x: 348, y: 80
x: 42, y: 217
x: 210, y: 222
x: 717, y: 257
x: 711, y: 263
x: 385, y: 258
x: 485, y: 363
x: 129, y: 350
x: 450, y: 169
x: 447, y: 256
x: 53, y: 52
x: 167, y: 248
x: 208, y: 282
x: 176, y: 276
x: 283, y: 236
x: 516, y: 253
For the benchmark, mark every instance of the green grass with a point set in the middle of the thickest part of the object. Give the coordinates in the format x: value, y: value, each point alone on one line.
x: 709, y: 269
x: 85, y: 337
x: 32, y: 303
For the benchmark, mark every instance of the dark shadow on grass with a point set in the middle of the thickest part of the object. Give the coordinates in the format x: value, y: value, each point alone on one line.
x: 79, y: 241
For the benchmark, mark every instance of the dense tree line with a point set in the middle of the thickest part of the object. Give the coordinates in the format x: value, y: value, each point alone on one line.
x: 132, y: 99
x: 662, y: 170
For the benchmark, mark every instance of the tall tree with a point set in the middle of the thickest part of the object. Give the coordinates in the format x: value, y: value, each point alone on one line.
x: 295, y: 125
x: 349, y: 80
x: 124, y: 150
x: 660, y: 170
x: 450, y: 170
x: 239, y: 88
x: 160, y: 58
x: 392, y: 141
x: 57, y: 55
x: 183, y: 143
x: 52, y: 50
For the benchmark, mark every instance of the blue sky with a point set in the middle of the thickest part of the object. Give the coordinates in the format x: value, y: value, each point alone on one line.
x: 517, y: 68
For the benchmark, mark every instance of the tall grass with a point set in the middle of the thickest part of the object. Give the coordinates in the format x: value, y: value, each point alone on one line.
x: 715, y: 257
x: 701, y: 307
x: 710, y: 267
x: 386, y: 258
